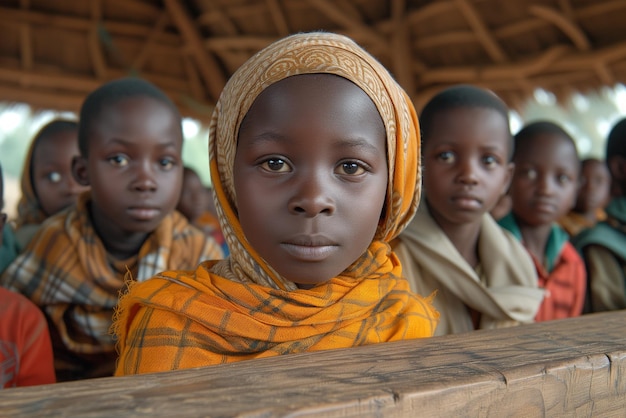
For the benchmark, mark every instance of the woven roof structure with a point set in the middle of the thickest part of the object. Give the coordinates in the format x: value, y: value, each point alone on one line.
x: 54, y: 52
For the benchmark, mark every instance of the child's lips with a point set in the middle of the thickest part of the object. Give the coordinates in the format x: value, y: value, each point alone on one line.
x: 310, y: 248
x: 467, y: 202
x: 143, y: 213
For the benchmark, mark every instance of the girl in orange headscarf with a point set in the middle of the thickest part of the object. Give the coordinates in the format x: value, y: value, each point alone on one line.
x: 314, y: 156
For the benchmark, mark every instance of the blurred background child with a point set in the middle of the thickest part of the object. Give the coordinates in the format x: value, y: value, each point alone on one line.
x: 196, y: 204
x: 47, y: 183
x: 482, y: 275
x: 544, y: 188
x: 124, y: 228
x: 604, y: 246
x: 593, y: 196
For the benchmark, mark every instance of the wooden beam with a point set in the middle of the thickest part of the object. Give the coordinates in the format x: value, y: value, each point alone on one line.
x: 571, y: 367
x: 474, y: 20
x: 212, y: 76
x: 41, y: 19
x: 150, y: 41
x: 278, y: 17
x: 339, y: 17
x: 98, y: 61
x: 568, y: 27
x: 401, y: 52
x: 26, y: 47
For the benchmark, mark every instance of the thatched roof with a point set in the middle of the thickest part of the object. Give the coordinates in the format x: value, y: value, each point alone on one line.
x: 52, y: 53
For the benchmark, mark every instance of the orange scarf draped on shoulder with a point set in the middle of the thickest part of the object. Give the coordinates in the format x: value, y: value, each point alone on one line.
x: 240, y: 308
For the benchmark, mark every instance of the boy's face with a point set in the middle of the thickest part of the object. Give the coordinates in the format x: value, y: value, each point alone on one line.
x: 52, y: 178
x: 595, y: 182
x: 466, y: 168
x: 545, y: 181
x: 194, y: 199
x: 311, y: 176
x: 134, y: 166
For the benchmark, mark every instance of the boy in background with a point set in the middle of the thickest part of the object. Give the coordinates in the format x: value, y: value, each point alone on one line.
x: 483, y: 277
x: 124, y: 228
x: 544, y: 187
x: 604, y: 246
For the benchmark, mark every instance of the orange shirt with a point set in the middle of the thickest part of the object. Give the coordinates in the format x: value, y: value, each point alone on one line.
x: 565, y: 286
x: 25, y: 347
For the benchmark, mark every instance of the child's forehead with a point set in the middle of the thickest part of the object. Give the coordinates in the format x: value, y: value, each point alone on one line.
x: 549, y: 148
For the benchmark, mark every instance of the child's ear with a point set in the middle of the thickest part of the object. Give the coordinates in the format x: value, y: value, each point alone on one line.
x: 79, y: 170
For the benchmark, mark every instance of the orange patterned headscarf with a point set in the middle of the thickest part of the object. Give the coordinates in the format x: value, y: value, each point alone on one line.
x: 307, y: 54
x: 240, y: 308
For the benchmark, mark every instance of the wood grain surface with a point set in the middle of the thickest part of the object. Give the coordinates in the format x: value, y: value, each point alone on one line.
x: 574, y: 367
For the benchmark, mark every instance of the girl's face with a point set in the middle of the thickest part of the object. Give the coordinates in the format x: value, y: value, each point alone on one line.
x: 311, y: 176
x: 52, y: 178
x: 466, y: 167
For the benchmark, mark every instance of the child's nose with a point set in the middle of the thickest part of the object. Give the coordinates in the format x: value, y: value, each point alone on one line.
x: 467, y: 172
x: 144, y: 179
x: 312, y: 197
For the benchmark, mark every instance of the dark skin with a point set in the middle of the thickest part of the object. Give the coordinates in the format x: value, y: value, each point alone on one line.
x: 466, y: 170
x: 52, y: 178
x: 134, y: 168
x: 194, y: 199
x: 593, y: 194
x: 544, y: 187
x: 311, y: 176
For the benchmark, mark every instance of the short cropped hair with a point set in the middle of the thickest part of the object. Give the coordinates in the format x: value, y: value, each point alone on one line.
x: 109, y: 94
x: 616, y: 142
x: 461, y: 96
x: 524, y: 137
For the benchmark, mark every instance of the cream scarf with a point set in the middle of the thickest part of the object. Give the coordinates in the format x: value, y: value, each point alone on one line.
x: 505, y: 294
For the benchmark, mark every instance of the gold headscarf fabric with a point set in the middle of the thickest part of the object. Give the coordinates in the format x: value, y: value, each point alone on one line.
x: 240, y: 308
x: 307, y: 54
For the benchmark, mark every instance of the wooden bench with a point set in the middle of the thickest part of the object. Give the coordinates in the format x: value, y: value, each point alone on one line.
x: 574, y: 367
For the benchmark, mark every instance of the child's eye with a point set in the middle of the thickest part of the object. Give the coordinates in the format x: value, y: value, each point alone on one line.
x: 446, y: 156
x: 54, y: 177
x: 490, y: 160
x: 167, y: 163
x: 118, y: 160
x: 563, y: 179
x: 529, y: 173
x: 275, y: 165
x: 351, y: 168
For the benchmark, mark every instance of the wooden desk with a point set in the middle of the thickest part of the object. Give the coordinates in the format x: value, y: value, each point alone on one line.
x: 574, y: 367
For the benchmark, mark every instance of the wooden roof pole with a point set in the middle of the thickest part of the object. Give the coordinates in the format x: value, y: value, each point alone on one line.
x: 338, y: 16
x: 493, y: 49
x: 211, y: 74
x: 568, y: 27
x: 26, y: 46
x: 140, y: 59
x: 401, y: 53
x: 278, y: 17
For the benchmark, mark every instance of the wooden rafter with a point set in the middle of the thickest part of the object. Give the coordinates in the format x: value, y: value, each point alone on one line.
x: 278, y: 17
x: 150, y: 41
x: 473, y: 18
x: 568, y: 27
x: 402, y: 54
x: 209, y: 70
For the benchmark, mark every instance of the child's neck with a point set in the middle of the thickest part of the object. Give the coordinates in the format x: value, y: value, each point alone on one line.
x: 465, y: 240
x: 119, y: 244
x: 535, y: 239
